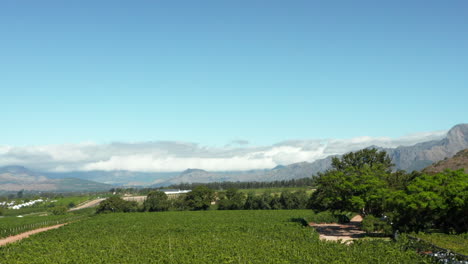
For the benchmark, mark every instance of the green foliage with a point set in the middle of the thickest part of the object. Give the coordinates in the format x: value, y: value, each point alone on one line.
x: 199, y: 198
x: 362, y: 181
x: 372, y: 224
x: 259, y: 185
x: 232, y: 200
x: 323, y: 217
x: 179, y: 203
x: 58, y: 210
x: 432, y: 201
x: 359, y: 188
x: 116, y: 204
x: 156, y: 201
x: 197, y: 237
x: 372, y: 158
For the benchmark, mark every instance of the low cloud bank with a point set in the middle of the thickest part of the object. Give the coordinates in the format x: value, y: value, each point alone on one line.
x: 170, y: 156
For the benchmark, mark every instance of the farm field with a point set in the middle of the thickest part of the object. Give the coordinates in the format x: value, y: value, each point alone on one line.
x: 14, y: 225
x: 198, y: 237
x: 45, y: 206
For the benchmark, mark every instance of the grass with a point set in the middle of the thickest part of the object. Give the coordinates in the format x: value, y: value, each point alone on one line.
x: 456, y: 243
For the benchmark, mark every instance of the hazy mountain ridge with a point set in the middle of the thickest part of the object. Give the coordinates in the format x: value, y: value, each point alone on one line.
x: 421, y: 155
x: 120, y: 177
x: 409, y: 158
x: 415, y: 157
x: 16, y: 178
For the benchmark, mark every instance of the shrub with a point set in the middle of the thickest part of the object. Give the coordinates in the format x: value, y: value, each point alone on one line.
x: 59, y: 210
x: 372, y: 224
x: 156, y: 201
x: 116, y: 204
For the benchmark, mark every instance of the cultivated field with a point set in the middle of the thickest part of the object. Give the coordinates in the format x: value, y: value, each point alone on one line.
x: 198, y: 237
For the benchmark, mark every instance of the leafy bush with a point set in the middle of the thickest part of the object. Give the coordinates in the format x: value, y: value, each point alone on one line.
x: 156, y: 201
x: 323, y: 217
x: 58, y: 210
x: 199, y: 198
x: 372, y: 224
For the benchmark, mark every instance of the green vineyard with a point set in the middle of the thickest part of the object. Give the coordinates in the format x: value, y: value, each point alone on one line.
x: 198, y: 237
x: 14, y: 225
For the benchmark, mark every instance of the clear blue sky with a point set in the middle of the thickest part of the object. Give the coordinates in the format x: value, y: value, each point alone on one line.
x: 215, y: 71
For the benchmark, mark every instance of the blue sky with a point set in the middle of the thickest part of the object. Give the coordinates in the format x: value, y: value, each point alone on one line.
x: 214, y: 71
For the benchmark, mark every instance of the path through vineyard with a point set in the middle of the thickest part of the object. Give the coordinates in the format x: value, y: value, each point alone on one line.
x: 345, y: 232
x: 88, y: 204
x: 18, y: 237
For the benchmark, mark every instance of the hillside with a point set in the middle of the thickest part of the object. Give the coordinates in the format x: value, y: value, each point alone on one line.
x: 16, y: 178
x: 459, y: 161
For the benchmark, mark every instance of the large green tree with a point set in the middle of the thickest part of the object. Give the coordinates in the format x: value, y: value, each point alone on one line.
x: 115, y: 204
x: 232, y: 200
x: 432, y: 201
x: 156, y: 201
x: 199, y: 198
x: 356, y: 182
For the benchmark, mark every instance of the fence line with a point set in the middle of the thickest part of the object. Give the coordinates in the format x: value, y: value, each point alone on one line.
x: 5, y: 232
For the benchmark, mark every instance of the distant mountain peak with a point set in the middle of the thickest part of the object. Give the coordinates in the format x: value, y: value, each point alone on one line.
x: 279, y: 167
x: 189, y: 171
x: 458, y: 134
x: 16, y: 169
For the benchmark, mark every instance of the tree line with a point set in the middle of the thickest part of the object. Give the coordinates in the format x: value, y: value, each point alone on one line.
x: 202, y: 198
x: 303, y: 182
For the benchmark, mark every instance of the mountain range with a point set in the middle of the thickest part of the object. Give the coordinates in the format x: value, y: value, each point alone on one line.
x: 409, y: 158
x: 16, y: 178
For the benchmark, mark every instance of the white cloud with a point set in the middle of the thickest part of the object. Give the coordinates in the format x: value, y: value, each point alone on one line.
x: 166, y: 156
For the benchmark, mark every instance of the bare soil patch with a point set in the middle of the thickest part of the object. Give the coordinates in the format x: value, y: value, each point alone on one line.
x: 88, y: 204
x: 344, y: 232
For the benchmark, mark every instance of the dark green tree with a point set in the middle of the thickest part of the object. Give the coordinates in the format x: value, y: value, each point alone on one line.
x: 58, y: 210
x: 432, y: 201
x: 115, y: 204
x: 369, y: 157
x: 250, y: 201
x: 262, y: 202
x: 356, y: 183
x: 287, y: 200
x: 231, y: 200
x: 199, y: 198
x: 275, y: 202
x: 156, y: 201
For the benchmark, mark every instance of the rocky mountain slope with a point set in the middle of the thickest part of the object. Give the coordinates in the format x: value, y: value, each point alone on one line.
x: 459, y: 161
x: 423, y: 154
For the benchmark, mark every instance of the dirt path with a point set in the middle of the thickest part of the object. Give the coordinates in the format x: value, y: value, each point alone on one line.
x: 345, y: 232
x: 88, y: 204
x: 18, y: 237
